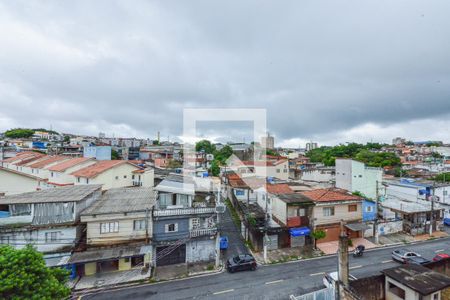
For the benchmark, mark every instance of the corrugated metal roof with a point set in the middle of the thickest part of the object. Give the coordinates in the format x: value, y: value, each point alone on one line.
x: 108, y: 253
x: 122, y: 200
x: 72, y: 193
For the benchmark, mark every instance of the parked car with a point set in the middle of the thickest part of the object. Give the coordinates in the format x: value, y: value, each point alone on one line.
x: 241, y: 263
x: 416, y: 260
x: 441, y: 256
x: 447, y: 221
x: 401, y: 255
x: 330, y: 279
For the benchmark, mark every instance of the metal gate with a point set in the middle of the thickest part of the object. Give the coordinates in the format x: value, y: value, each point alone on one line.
x: 176, y: 256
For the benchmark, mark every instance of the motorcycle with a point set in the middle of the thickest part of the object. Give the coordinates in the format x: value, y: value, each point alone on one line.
x: 359, y: 250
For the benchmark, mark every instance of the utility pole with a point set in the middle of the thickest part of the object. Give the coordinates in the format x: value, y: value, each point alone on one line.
x: 146, y: 225
x: 432, y: 210
x: 377, y: 196
x: 266, y: 238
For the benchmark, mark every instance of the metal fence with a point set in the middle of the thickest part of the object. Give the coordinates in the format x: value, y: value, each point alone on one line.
x: 324, y: 294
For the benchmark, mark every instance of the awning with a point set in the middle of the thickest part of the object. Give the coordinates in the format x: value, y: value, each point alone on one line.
x: 357, y: 226
x: 300, y: 231
x: 108, y: 254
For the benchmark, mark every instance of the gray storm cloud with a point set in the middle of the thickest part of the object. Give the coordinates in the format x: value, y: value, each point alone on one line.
x: 324, y: 70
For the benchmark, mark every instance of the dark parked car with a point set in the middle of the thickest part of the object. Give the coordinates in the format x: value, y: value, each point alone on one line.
x: 241, y: 263
x: 416, y: 260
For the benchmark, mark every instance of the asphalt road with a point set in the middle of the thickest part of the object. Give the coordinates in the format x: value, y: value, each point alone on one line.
x: 272, y: 281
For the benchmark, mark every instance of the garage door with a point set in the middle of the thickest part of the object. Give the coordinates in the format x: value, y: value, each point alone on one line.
x: 332, y: 234
x: 176, y: 256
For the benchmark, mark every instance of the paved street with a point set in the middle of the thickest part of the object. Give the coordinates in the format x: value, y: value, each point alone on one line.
x: 235, y: 242
x: 269, y: 282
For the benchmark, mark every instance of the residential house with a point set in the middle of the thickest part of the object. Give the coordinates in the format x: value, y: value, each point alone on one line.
x: 354, y: 176
x: 48, y: 219
x: 414, y: 282
x: 333, y: 205
x: 99, y: 152
x: 294, y: 212
x: 61, y: 173
x: 184, y: 223
x: 416, y: 215
x: 118, y: 232
x: 274, y: 169
x: 13, y: 180
x: 370, y: 211
x: 109, y: 173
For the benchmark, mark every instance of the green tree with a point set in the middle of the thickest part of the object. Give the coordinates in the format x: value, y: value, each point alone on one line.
x: 18, y: 133
x: 215, y: 169
x: 443, y: 177
x: 66, y: 139
x: 271, y: 152
x: 173, y: 164
x: 205, y: 145
x: 23, y: 275
x: 317, y: 235
x: 114, y: 154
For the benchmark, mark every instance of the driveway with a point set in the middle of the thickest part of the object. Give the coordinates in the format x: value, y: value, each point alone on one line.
x: 235, y: 241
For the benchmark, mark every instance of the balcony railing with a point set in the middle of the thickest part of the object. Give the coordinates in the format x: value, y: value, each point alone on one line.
x: 137, y: 183
x: 294, y: 222
x: 184, y: 211
x: 15, y: 220
x: 202, y: 232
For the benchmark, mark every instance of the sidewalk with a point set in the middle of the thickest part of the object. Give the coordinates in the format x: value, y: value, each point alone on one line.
x: 286, y: 254
x: 111, y: 279
x: 332, y: 247
x: 177, y: 271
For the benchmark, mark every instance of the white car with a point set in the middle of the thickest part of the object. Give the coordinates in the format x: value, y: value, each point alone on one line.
x: 330, y: 279
x: 402, y: 255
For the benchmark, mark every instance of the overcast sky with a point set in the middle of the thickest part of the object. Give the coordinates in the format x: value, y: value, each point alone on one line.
x: 327, y: 71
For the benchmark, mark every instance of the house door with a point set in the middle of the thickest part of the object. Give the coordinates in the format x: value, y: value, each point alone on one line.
x: 176, y: 256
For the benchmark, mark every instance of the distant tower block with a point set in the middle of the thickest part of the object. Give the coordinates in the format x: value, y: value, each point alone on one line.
x: 268, y: 141
x: 310, y: 146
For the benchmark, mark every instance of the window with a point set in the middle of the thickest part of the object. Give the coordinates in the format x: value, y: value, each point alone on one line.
x: 132, y: 177
x: 278, y: 171
x: 78, y: 179
x: 51, y: 237
x: 369, y: 209
x: 328, y: 211
x: 87, y: 180
x: 195, y: 223
x: 301, y: 212
x: 109, y: 227
x: 171, y: 227
x: 435, y: 296
x: 124, y: 176
x: 51, y: 174
x: 445, y: 193
x: 360, y: 176
x: 352, y: 207
x: 285, y: 170
x: 138, y: 225
x: 399, y: 292
x: 117, y: 177
x: 4, y: 239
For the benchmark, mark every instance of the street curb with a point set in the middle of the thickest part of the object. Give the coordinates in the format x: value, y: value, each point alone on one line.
x: 368, y: 250
x: 93, y: 291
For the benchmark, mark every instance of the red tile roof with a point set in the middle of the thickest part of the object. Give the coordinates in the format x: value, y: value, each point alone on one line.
x: 22, y: 155
x: 281, y: 188
x: 329, y: 195
x: 47, y: 160
x: 61, y: 167
x: 98, y: 168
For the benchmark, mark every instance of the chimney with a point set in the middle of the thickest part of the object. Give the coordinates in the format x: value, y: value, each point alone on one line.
x: 343, y: 256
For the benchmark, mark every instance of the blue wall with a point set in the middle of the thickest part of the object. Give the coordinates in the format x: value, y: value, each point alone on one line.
x: 159, y: 228
x: 372, y: 206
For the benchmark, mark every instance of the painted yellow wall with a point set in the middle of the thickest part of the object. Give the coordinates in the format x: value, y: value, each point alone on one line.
x: 123, y: 265
x: 90, y: 268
